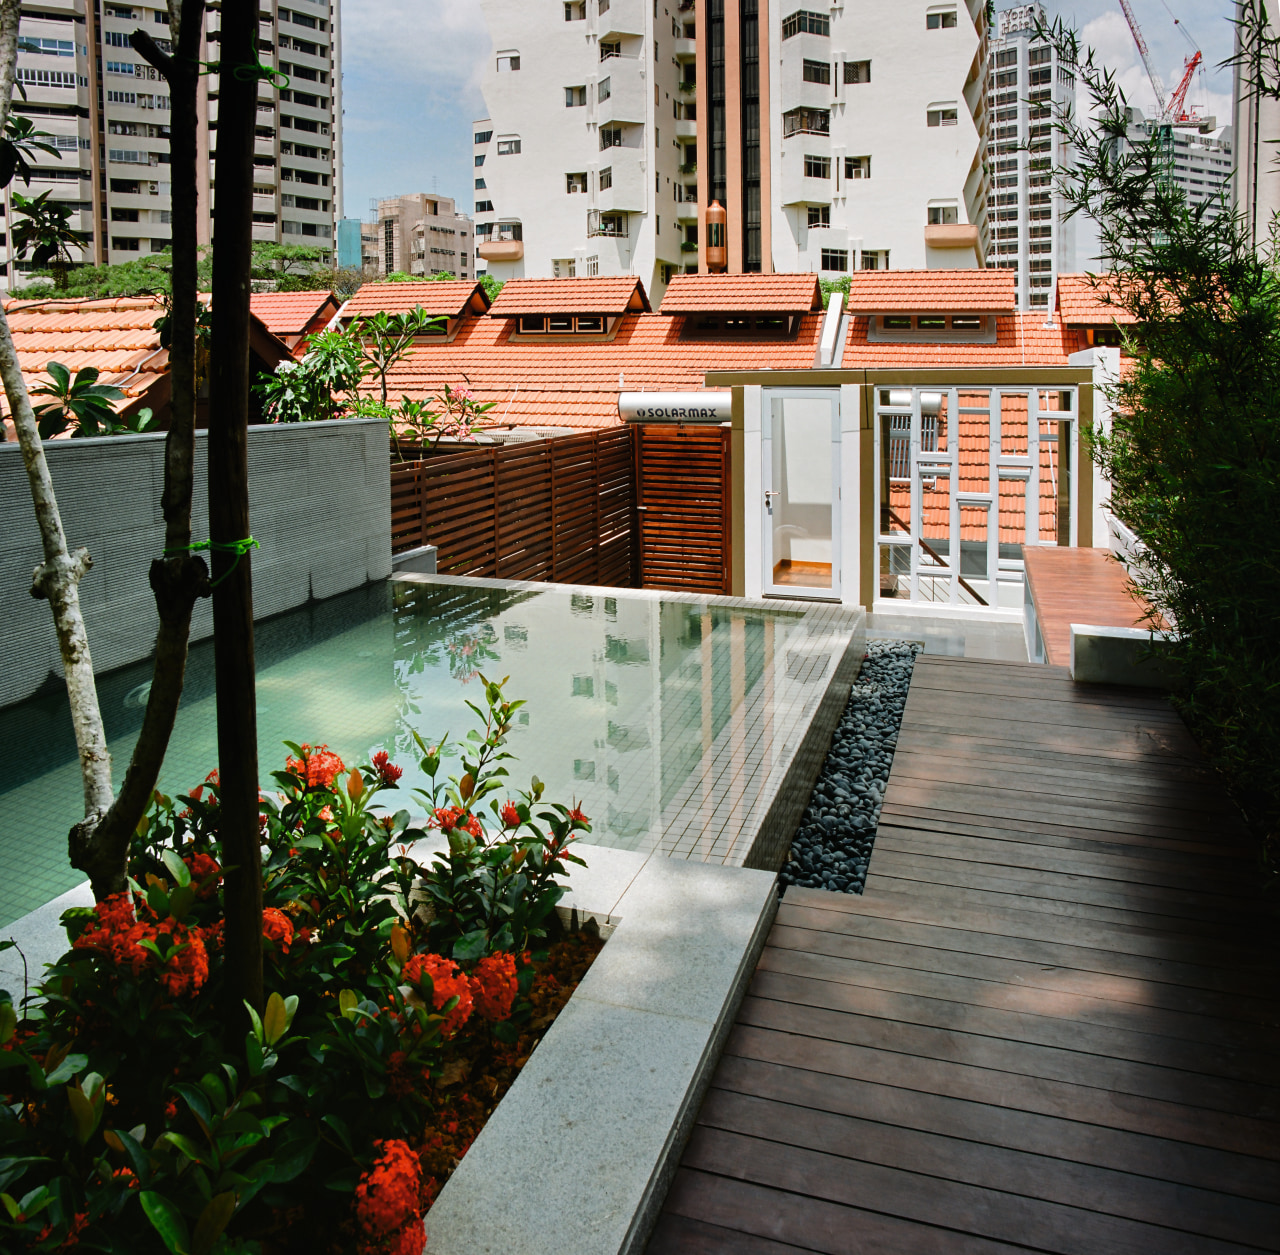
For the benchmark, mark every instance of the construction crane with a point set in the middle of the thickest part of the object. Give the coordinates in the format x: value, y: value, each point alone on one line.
x: 1172, y: 110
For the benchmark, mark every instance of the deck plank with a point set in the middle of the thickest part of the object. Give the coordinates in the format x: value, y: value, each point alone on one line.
x: 1049, y: 1024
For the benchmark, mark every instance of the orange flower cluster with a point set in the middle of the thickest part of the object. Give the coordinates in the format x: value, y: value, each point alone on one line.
x: 118, y: 936
x: 493, y: 986
x: 389, y: 1203
x: 388, y: 772
x: 447, y: 981
x: 510, y: 816
x: 317, y: 766
x: 204, y: 868
x: 277, y: 928
x: 450, y: 817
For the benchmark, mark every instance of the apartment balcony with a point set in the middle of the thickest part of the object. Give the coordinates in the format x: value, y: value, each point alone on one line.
x: 264, y: 204
x: 958, y: 240
x: 686, y: 49
x: 501, y: 250
x: 629, y: 190
x: 686, y: 128
x: 626, y: 100
x: 800, y: 184
x: 623, y: 17
x: 687, y: 211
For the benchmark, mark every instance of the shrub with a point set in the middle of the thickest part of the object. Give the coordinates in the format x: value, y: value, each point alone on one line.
x: 139, y: 1117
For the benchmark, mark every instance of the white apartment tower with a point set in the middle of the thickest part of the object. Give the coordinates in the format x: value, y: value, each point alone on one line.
x: 575, y: 165
x: 109, y: 113
x: 1027, y: 91
x: 835, y: 137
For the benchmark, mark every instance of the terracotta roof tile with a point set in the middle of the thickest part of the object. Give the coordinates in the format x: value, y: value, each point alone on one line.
x: 1082, y: 301
x: 608, y: 294
x: 446, y: 297
x: 745, y: 293
x: 1021, y: 340
x: 290, y: 313
x: 932, y: 291
x: 563, y: 384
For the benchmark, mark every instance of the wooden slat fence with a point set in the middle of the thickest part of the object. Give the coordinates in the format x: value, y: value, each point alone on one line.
x: 560, y: 510
x: 683, y: 498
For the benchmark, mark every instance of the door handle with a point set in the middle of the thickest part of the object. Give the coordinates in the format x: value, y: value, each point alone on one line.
x: 769, y: 495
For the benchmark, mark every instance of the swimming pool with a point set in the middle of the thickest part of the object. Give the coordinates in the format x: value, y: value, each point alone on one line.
x: 673, y: 719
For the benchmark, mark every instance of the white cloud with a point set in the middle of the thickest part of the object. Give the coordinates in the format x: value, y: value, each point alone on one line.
x: 431, y: 42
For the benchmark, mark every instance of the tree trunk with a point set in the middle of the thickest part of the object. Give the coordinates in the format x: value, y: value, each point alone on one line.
x: 177, y: 578
x: 229, y: 503
x: 58, y: 577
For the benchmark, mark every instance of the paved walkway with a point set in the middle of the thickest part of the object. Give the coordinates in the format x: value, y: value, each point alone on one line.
x: 1048, y: 1025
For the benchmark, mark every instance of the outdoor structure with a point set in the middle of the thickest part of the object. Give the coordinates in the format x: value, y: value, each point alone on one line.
x: 833, y: 141
x: 422, y: 234
x: 109, y: 113
x: 1200, y: 159
x: 1026, y: 90
x: 1256, y: 184
x: 294, y: 317
x: 118, y: 337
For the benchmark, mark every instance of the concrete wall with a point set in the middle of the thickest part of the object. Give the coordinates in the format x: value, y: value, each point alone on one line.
x: 320, y: 507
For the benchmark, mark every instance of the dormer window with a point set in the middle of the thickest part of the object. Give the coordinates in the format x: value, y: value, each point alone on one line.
x: 935, y: 328
x: 562, y: 324
x: 717, y: 326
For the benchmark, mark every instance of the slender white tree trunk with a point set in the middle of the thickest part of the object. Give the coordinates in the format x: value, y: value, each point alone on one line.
x: 58, y: 577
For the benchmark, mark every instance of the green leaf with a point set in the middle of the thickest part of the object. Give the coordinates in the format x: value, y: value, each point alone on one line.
x: 66, y: 1070
x: 292, y: 1157
x: 180, y: 872
x: 8, y: 1021
x: 60, y: 375
x: 213, y: 1220
x: 83, y: 1113
x: 275, y: 1020
x: 181, y: 1142
x: 167, y: 1221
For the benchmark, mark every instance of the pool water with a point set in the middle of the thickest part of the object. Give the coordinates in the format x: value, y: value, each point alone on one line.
x: 627, y: 695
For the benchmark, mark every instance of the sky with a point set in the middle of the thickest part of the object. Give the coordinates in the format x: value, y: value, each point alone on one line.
x: 412, y: 70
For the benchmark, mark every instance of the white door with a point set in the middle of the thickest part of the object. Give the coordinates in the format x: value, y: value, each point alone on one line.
x: 801, y: 464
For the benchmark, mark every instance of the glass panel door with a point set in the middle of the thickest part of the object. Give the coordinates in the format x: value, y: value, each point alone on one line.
x: 801, y: 432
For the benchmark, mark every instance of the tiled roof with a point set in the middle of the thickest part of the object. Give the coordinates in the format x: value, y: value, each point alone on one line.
x: 447, y: 297
x: 576, y: 385
x: 1082, y: 301
x: 290, y: 313
x: 608, y: 294
x: 932, y: 292
x: 755, y: 294
x: 1021, y: 340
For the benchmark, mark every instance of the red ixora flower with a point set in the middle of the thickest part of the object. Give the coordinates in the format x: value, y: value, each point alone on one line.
x: 317, y: 766
x: 577, y: 815
x: 277, y: 928
x: 117, y: 936
x: 510, y: 816
x: 388, y: 772
x: 388, y: 1203
x: 493, y: 986
x: 204, y: 867
x: 448, y: 818
x: 447, y: 980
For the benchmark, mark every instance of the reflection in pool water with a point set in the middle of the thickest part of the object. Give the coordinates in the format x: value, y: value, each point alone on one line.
x: 625, y: 696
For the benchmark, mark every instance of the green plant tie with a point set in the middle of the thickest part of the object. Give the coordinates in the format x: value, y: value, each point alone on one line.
x: 255, y: 70
x: 237, y: 547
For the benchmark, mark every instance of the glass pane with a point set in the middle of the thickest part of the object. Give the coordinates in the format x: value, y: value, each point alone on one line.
x: 935, y: 534
x: 800, y: 501
x: 895, y: 473
x: 1051, y: 487
x: 973, y: 545
x: 1013, y: 423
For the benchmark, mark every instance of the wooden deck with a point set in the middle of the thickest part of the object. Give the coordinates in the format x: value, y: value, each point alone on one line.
x: 1049, y: 1024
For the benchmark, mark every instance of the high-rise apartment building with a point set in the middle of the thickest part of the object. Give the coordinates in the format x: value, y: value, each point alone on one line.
x: 1200, y: 159
x: 109, y: 113
x: 1027, y: 92
x: 423, y: 234
x: 834, y: 138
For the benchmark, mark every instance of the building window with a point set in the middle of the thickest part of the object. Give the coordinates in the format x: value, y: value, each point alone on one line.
x: 575, y: 182
x: 480, y: 185
x: 610, y: 48
x: 1038, y: 56
x: 508, y: 147
x: 479, y: 160
x: 942, y: 215
x: 806, y: 122
x: 857, y: 167
x: 124, y: 215
x: 819, y: 215
x: 606, y: 224
x: 508, y: 61
x: 576, y: 12
x: 874, y: 259
x: 484, y: 206
x: 942, y: 117
x: 1007, y: 78
x: 945, y: 20
x: 124, y: 244
x: 483, y: 137
x: 1009, y: 56
x: 817, y: 167
x: 817, y: 72
x: 560, y: 269
x: 574, y: 97
x: 857, y: 71
x: 604, y: 180
x: 561, y: 325
x: 48, y: 47
x: 835, y: 259
x: 604, y: 89
x: 610, y: 137
x: 803, y: 22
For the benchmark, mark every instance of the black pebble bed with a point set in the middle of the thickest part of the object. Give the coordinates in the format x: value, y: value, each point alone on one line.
x: 832, y: 845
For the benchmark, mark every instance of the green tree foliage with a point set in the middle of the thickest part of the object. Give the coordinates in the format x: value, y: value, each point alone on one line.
x: 83, y: 405
x: 42, y: 228
x: 20, y: 142
x: 150, y: 275
x: 831, y: 286
x: 1193, y: 454
x: 306, y: 390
